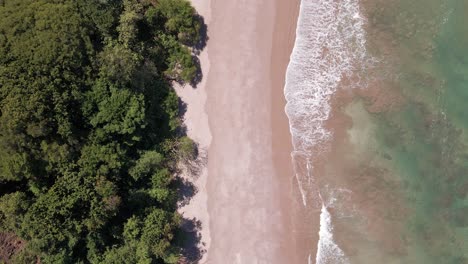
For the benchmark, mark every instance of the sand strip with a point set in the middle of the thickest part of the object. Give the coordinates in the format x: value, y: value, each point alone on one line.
x: 249, y: 200
x: 196, y: 123
x: 303, y: 221
x: 248, y: 185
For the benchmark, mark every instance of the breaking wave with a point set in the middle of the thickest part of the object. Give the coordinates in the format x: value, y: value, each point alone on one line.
x: 330, y: 42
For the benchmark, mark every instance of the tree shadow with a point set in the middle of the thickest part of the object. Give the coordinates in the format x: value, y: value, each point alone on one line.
x: 201, y: 44
x: 186, y: 190
x: 189, y: 240
x: 190, y: 171
x: 197, y: 48
x: 189, y: 235
x: 195, y: 167
x: 182, y: 129
x: 198, y: 74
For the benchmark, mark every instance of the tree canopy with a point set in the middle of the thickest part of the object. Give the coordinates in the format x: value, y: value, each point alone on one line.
x: 87, y: 113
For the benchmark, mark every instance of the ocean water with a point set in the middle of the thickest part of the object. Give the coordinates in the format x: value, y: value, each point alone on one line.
x: 377, y: 99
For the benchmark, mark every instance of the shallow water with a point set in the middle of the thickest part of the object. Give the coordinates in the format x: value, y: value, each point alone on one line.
x: 377, y: 94
x: 329, y: 40
x: 424, y: 137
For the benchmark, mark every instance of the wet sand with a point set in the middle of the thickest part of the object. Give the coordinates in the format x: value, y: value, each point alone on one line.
x: 304, y: 220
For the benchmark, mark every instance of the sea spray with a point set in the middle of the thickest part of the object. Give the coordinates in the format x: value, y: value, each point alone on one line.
x: 327, y: 251
x: 330, y: 42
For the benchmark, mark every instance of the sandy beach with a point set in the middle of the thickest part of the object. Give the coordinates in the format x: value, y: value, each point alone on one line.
x: 245, y: 196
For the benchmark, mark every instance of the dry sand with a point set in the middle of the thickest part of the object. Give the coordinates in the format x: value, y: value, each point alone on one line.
x: 245, y: 197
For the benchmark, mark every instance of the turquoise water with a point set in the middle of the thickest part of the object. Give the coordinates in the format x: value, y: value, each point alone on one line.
x: 377, y: 95
x: 422, y: 139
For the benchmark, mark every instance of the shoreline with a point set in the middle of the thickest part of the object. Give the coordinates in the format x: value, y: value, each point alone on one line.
x: 305, y: 236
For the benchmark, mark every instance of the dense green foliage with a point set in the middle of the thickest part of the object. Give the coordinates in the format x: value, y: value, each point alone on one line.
x: 88, y: 127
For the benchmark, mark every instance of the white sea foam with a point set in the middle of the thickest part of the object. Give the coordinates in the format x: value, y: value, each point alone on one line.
x: 327, y: 251
x: 330, y: 42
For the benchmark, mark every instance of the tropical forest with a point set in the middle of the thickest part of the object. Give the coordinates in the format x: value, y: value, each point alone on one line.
x: 90, y: 128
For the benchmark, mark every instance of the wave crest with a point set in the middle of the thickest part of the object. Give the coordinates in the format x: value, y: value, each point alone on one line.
x: 330, y: 42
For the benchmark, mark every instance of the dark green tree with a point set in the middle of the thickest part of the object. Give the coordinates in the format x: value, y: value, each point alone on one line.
x: 86, y: 114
